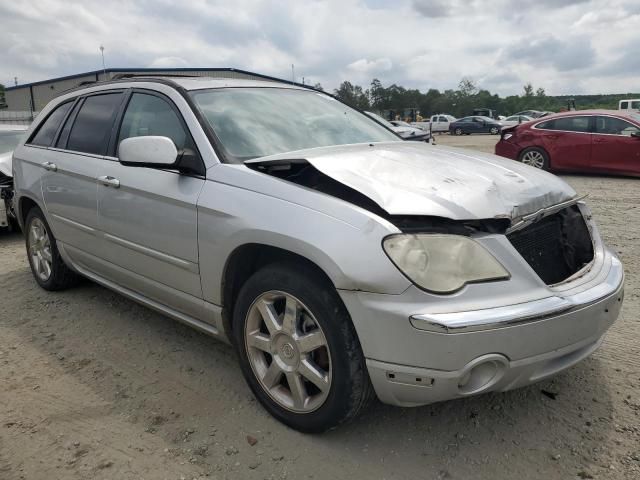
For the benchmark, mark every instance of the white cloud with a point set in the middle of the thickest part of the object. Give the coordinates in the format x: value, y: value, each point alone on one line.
x: 169, y: 62
x: 561, y: 45
x: 371, y: 66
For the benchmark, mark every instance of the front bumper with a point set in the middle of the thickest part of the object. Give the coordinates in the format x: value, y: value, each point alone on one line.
x: 416, y: 358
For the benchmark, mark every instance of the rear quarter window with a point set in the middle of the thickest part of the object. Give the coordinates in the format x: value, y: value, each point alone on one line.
x: 47, y: 130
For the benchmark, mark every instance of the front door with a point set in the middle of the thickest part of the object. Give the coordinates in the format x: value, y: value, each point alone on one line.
x: 148, y: 216
x: 615, y: 147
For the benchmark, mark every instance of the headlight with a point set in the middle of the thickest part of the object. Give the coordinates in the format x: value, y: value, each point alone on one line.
x: 442, y: 263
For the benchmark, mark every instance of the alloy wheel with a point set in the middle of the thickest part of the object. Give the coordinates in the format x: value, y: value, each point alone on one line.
x: 533, y: 158
x: 288, y: 352
x: 40, y: 249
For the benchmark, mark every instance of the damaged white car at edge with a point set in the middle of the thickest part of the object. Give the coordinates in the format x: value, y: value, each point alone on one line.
x: 10, y: 137
x: 338, y: 260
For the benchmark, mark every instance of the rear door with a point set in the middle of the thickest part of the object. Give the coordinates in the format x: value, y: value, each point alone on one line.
x: 568, y: 141
x: 615, y: 149
x: 71, y: 163
x: 148, y: 216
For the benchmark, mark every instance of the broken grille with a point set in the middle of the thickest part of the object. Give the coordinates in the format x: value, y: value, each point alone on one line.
x: 556, y: 246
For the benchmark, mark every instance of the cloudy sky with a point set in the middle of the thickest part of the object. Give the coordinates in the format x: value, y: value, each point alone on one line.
x: 565, y: 46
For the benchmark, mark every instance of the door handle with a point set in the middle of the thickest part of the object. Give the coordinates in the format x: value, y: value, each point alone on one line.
x: 550, y: 137
x: 108, y: 181
x: 52, y: 167
x: 599, y: 140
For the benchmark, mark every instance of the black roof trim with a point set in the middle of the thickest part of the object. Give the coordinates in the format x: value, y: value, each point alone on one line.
x: 156, y: 71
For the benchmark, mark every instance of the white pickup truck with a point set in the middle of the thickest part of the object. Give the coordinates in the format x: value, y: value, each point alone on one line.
x: 437, y: 123
x: 629, y: 104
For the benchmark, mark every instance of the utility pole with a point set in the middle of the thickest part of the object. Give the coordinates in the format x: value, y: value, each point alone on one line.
x: 104, y: 70
x: 15, y: 81
x: 293, y: 74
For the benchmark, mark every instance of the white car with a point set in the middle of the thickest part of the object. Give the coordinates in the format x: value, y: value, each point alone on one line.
x: 406, y: 132
x: 10, y: 137
x: 515, y: 120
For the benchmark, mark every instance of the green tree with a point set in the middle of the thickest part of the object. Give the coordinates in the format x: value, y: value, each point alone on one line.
x: 318, y: 86
x: 528, y: 90
x: 378, y: 95
x: 467, y: 87
x: 353, y: 95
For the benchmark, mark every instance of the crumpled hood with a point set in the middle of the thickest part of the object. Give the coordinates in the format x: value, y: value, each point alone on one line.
x: 406, y: 178
x: 5, y: 164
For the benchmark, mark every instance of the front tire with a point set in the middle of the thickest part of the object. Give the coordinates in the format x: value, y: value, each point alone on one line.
x: 494, y: 130
x: 458, y: 131
x: 45, y: 261
x: 298, y: 349
x: 535, y: 157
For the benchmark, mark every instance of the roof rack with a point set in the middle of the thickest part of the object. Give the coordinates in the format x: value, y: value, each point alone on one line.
x: 118, y: 76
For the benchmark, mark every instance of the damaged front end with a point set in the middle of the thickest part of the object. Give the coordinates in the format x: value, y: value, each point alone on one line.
x: 7, y: 212
x: 555, y: 241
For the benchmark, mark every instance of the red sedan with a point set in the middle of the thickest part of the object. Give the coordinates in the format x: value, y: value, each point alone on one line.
x: 606, y: 141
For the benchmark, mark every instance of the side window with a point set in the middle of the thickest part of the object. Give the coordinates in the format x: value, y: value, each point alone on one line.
x: 151, y: 115
x: 615, y: 126
x: 548, y: 125
x: 91, y: 128
x: 573, y: 124
x: 635, y: 105
x: 49, y: 127
x: 442, y: 119
x: 624, y: 105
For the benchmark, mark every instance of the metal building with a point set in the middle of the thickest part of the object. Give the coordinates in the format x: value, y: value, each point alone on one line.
x: 32, y: 97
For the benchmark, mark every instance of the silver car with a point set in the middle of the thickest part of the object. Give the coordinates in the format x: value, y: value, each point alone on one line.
x: 337, y: 259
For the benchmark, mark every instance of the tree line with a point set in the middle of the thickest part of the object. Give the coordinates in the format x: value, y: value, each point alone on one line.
x: 464, y: 99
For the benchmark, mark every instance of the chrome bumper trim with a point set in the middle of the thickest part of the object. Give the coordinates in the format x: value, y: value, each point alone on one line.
x: 510, y: 315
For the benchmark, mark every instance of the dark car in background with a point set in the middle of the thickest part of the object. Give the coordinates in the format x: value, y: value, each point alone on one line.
x: 475, y: 124
x: 605, y: 141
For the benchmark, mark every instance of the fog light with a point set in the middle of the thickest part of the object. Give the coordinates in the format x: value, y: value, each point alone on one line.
x: 482, y: 373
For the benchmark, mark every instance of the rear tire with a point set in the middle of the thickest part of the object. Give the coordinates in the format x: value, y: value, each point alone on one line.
x: 535, y: 157
x: 458, y: 131
x: 494, y: 130
x: 278, y: 356
x: 45, y: 261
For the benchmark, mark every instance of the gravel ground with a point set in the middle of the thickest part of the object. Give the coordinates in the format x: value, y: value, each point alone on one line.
x: 95, y: 386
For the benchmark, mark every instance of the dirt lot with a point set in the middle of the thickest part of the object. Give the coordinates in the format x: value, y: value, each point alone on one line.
x: 95, y: 386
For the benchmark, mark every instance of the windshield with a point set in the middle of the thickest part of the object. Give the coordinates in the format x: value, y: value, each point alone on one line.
x: 256, y: 122
x: 10, y: 140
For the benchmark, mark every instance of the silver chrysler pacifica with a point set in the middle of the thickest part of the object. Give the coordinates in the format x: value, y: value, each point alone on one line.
x: 338, y: 260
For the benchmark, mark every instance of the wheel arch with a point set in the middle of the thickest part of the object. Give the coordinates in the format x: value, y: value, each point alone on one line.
x: 247, y: 259
x: 24, y: 205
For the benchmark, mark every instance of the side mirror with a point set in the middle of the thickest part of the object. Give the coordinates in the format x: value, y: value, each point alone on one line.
x: 635, y: 134
x: 149, y: 151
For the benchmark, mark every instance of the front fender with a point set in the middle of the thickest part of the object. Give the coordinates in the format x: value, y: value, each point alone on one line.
x: 350, y: 255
